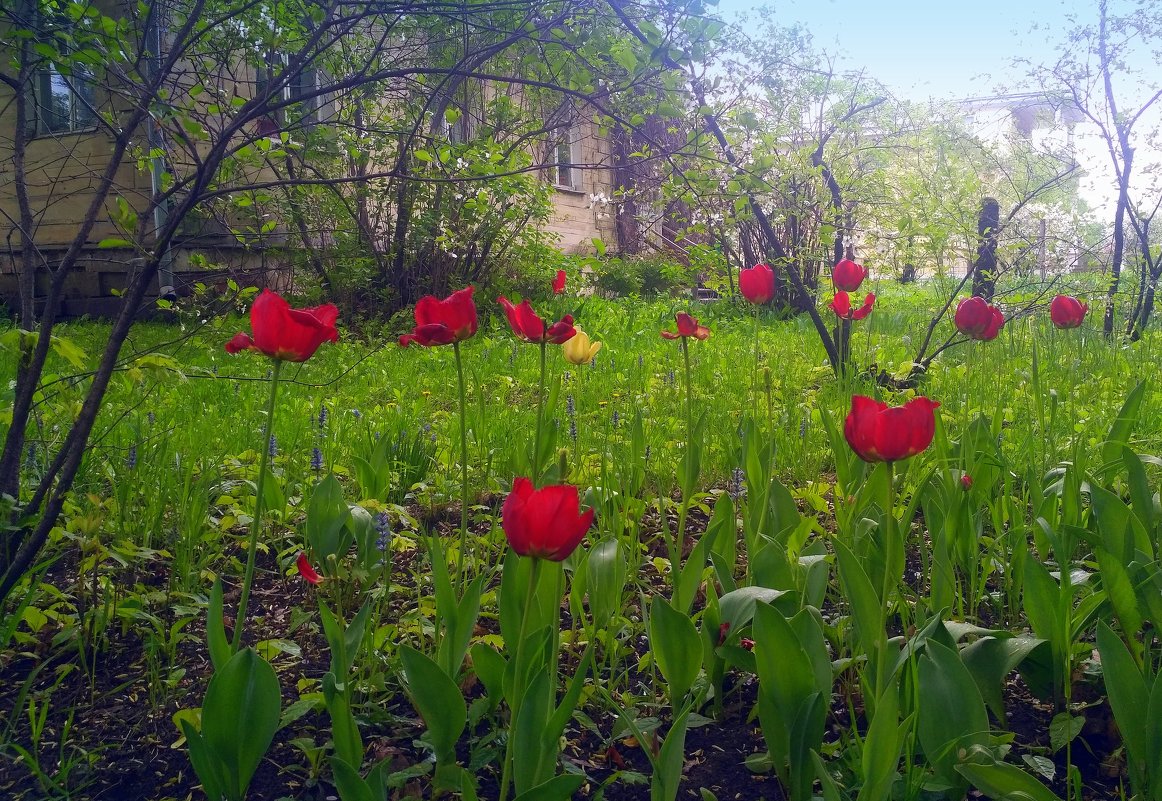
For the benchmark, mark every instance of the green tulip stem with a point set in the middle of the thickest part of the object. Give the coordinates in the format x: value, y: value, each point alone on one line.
x: 689, y: 393
x: 540, y: 412
x: 520, y: 673
x: 259, y: 498
x: 755, y: 381
x: 463, y: 469
x: 889, y: 540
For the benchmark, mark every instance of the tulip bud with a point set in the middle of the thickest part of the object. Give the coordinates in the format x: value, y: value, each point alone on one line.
x: 966, y: 482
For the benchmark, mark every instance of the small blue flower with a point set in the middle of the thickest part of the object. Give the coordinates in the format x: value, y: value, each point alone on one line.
x: 131, y: 457
x: 356, y: 414
x: 735, y: 487
x: 383, y: 528
x: 572, y: 429
x: 647, y: 453
x: 150, y: 417
x: 323, y: 416
x: 272, y: 447
x: 316, y: 459
x: 570, y: 408
x: 616, y: 418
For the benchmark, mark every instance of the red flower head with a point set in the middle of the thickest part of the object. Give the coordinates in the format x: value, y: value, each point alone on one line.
x: 528, y: 326
x: 546, y: 523
x: 847, y: 275
x: 559, y: 283
x: 966, y: 482
x: 442, y: 322
x: 1067, y: 312
x: 976, y: 319
x: 879, y: 433
x: 757, y: 284
x: 841, y: 305
x: 281, y: 332
x: 309, y: 574
x: 687, y: 327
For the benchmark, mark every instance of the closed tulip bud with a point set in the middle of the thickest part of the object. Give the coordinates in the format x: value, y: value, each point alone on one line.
x: 579, y: 349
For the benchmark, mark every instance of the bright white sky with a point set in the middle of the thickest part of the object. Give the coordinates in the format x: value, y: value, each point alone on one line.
x: 937, y: 49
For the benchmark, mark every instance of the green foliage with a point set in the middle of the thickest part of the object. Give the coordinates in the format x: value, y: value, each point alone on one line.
x: 240, y: 715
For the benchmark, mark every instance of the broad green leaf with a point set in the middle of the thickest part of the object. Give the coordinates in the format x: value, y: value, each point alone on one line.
x: 437, y: 699
x: 327, y: 515
x: 240, y: 715
x: 953, y: 715
x: 676, y: 647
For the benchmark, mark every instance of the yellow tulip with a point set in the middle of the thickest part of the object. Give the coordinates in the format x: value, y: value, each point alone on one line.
x: 578, y: 349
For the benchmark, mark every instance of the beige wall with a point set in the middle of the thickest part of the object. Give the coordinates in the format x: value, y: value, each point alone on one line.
x: 577, y: 220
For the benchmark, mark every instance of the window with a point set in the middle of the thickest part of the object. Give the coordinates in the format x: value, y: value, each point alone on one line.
x: 62, y: 103
x: 565, y: 155
x: 302, y: 84
x: 62, y: 95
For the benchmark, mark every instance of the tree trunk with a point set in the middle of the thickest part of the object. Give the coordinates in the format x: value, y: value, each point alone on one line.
x: 984, y: 269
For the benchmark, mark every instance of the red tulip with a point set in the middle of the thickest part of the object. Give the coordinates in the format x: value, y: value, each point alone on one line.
x: 966, y: 482
x: 841, y: 305
x: 442, y: 322
x: 976, y: 319
x: 687, y: 327
x: 1067, y: 312
x: 306, y: 571
x: 757, y: 284
x: 847, y: 275
x: 546, y: 523
x: 528, y: 326
x: 281, y: 332
x: 559, y: 283
x: 879, y: 433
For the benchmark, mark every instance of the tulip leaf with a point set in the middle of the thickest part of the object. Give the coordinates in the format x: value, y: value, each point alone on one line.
x: 438, y: 700
x: 676, y: 647
x: 240, y: 716
x: 558, y: 788
x: 530, y: 732
x: 667, y: 777
x: 216, y: 642
x: 882, y: 746
x: 1123, y: 426
x: 327, y: 516
x: 722, y: 523
x: 990, y: 659
x: 605, y: 572
x: 351, y: 786
x: 344, y: 729
x: 953, y: 715
x: 1001, y: 781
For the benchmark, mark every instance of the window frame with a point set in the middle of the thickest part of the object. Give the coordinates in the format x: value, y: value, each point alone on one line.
x: 44, y: 119
x: 567, y: 175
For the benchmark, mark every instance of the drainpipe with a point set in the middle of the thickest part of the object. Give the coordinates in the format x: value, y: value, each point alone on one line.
x: 165, y: 285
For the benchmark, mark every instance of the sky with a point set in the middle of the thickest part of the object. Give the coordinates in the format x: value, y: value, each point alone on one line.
x: 932, y: 48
